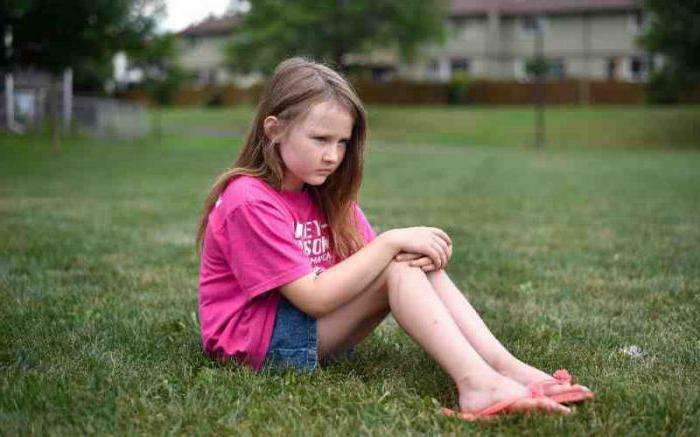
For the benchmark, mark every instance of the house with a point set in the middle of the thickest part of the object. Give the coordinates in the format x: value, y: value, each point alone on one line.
x: 585, y: 39
x: 202, y: 51
x: 494, y: 39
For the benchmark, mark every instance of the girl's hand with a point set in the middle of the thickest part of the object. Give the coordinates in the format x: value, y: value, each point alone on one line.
x: 431, y: 243
x: 418, y: 260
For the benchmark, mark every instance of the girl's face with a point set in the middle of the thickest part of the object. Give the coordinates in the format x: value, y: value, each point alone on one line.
x: 314, y: 147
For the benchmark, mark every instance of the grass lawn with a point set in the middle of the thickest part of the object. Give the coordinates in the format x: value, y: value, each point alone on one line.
x: 584, y: 258
x: 566, y: 126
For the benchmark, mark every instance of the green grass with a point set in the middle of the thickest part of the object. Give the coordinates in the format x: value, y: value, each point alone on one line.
x: 565, y: 126
x: 571, y: 255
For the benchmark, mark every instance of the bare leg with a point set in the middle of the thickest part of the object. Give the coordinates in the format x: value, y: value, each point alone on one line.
x: 475, y: 330
x: 420, y: 312
x: 353, y: 322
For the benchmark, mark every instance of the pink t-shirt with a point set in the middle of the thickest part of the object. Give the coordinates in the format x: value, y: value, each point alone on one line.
x: 257, y: 239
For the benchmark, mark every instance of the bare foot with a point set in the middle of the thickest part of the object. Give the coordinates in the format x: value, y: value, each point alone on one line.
x: 476, y: 394
x: 526, y: 374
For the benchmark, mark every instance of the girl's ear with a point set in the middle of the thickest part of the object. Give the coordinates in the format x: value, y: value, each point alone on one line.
x: 272, y: 127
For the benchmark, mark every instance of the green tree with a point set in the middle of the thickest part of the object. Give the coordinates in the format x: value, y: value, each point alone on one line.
x: 53, y: 35
x: 157, y: 58
x: 329, y: 30
x: 674, y: 32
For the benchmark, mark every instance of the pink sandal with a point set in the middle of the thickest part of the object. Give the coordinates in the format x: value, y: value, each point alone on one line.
x: 494, y: 410
x: 563, y: 377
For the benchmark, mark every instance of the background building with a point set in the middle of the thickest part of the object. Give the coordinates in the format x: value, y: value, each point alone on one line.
x: 202, y: 49
x: 586, y: 39
x: 489, y: 39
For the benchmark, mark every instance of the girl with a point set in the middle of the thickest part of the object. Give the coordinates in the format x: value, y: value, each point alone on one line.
x: 292, y: 273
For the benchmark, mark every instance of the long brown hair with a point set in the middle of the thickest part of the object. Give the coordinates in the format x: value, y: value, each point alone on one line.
x: 296, y: 86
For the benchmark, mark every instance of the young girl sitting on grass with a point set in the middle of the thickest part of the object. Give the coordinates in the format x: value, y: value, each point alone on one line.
x: 292, y: 273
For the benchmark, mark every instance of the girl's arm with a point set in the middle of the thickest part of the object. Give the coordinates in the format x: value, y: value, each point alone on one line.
x: 322, y: 294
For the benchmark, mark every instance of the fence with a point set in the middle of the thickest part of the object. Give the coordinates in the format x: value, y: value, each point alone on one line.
x: 92, y: 116
x: 101, y: 117
x: 478, y: 92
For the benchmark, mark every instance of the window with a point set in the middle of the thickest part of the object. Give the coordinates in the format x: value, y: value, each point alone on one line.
x: 459, y: 65
x: 557, y: 69
x: 382, y: 74
x: 433, y: 68
x: 531, y: 24
x: 637, y: 22
x: 638, y: 68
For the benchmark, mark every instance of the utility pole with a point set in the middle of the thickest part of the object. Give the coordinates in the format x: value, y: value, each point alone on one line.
x: 540, y: 73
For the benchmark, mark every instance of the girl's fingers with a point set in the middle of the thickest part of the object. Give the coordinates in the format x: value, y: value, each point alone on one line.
x: 428, y: 268
x: 443, y: 235
x: 441, y: 253
x: 434, y: 255
x: 406, y: 256
x: 421, y: 262
x: 442, y: 246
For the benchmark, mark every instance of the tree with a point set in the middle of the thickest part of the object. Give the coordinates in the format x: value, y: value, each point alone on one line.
x: 276, y: 29
x: 162, y: 76
x: 54, y: 35
x: 674, y: 32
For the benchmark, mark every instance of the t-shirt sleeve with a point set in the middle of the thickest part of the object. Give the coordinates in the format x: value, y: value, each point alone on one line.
x: 363, y: 225
x: 263, y: 253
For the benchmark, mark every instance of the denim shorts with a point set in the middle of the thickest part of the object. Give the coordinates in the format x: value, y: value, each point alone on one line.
x: 294, y: 342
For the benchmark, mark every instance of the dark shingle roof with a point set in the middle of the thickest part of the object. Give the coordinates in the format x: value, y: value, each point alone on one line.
x: 518, y: 7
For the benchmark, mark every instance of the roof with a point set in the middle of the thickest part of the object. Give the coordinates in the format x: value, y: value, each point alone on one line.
x: 212, y: 26
x: 522, y: 7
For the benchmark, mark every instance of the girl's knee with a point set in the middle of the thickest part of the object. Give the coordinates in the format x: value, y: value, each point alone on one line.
x: 437, y: 276
x: 397, y: 271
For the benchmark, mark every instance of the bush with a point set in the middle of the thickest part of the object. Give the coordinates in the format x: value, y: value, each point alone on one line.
x: 664, y: 87
x: 216, y: 100
x: 459, y: 88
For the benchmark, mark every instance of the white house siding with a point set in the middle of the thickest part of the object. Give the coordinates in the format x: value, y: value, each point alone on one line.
x: 584, y: 44
x: 205, y: 57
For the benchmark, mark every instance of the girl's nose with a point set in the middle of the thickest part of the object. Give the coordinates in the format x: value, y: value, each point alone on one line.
x: 331, y: 154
